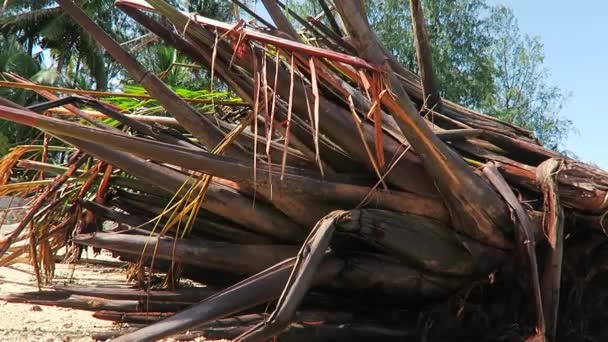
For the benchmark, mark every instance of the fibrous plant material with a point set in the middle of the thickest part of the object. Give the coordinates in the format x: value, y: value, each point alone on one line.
x: 553, y: 226
x: 338, y: 181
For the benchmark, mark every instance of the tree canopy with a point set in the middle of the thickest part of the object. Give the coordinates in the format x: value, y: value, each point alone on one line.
x: 481, y: 59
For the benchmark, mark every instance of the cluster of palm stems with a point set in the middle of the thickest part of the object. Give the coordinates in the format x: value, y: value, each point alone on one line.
x: 340, y: 197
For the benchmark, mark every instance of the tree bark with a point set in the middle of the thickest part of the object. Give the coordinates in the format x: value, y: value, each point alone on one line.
x: 430, y: 91
x: 238, y: 259
x: 475, y: 209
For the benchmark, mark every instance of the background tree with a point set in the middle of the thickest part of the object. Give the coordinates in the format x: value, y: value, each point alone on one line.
x: 523, y: 94
x: 14, y: 57
x: 40, y: 42
x: 42, y: 25
x: 457, y: 29
x: 481, y: 60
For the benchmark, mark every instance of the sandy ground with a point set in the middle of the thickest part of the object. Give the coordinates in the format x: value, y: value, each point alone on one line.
x: 25, y: 322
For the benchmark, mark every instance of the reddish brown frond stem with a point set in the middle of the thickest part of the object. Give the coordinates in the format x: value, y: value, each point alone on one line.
x: 76, y: 161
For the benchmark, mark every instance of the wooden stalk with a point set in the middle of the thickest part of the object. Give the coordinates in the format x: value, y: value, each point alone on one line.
x: 219, y: 199
x: 298, y: 331
x: 131, y: 317
x: 148, y: 119
x: 102, y: 94
x: 184, y: 295
x: 95, y: 303
x: 113, y: 215
x: 474, y: 207
x: 581, y: 186
x: 301, y: 278
x: 256, y: 35
x: 141, y: 127
x: 280, y: 19
x: 202, y: 224
x: 358, y: 276
x: 330, y: 17
x: 425, y: 244
x: 553, y: 224
x: 292, y: 184
x: 525, y: 241
x: 51, y: 97
x: 430, y: 91
x: 254, y: 14
x: 246, y: 294
x: 239, y: 259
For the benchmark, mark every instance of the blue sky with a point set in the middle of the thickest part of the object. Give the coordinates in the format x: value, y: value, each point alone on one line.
x: 574, y: 36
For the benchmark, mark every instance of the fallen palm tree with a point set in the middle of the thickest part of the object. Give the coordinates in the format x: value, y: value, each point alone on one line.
x: 338, y: 182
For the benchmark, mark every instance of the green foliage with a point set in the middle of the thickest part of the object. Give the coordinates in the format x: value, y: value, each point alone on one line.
x: 173, y: 68
x: 145, y: 106
x: 14, y: 58
x: 523, y: 95
x: 5, y: 144
x: 39, y: 25
x: 457, y: 29
x: 481, y: 60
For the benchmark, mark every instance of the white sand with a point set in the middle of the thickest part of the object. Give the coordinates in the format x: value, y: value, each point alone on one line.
x: 22, y: 322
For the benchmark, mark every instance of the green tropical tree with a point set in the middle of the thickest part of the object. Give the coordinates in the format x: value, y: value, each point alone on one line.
x: 457, y: 29
x: 39, y: 42
x: 217, y: 9
x: 41, y: 24
x: 523, y: 94
x: 14, y: 58
x: 173, y: 68
x: 481, y: 60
